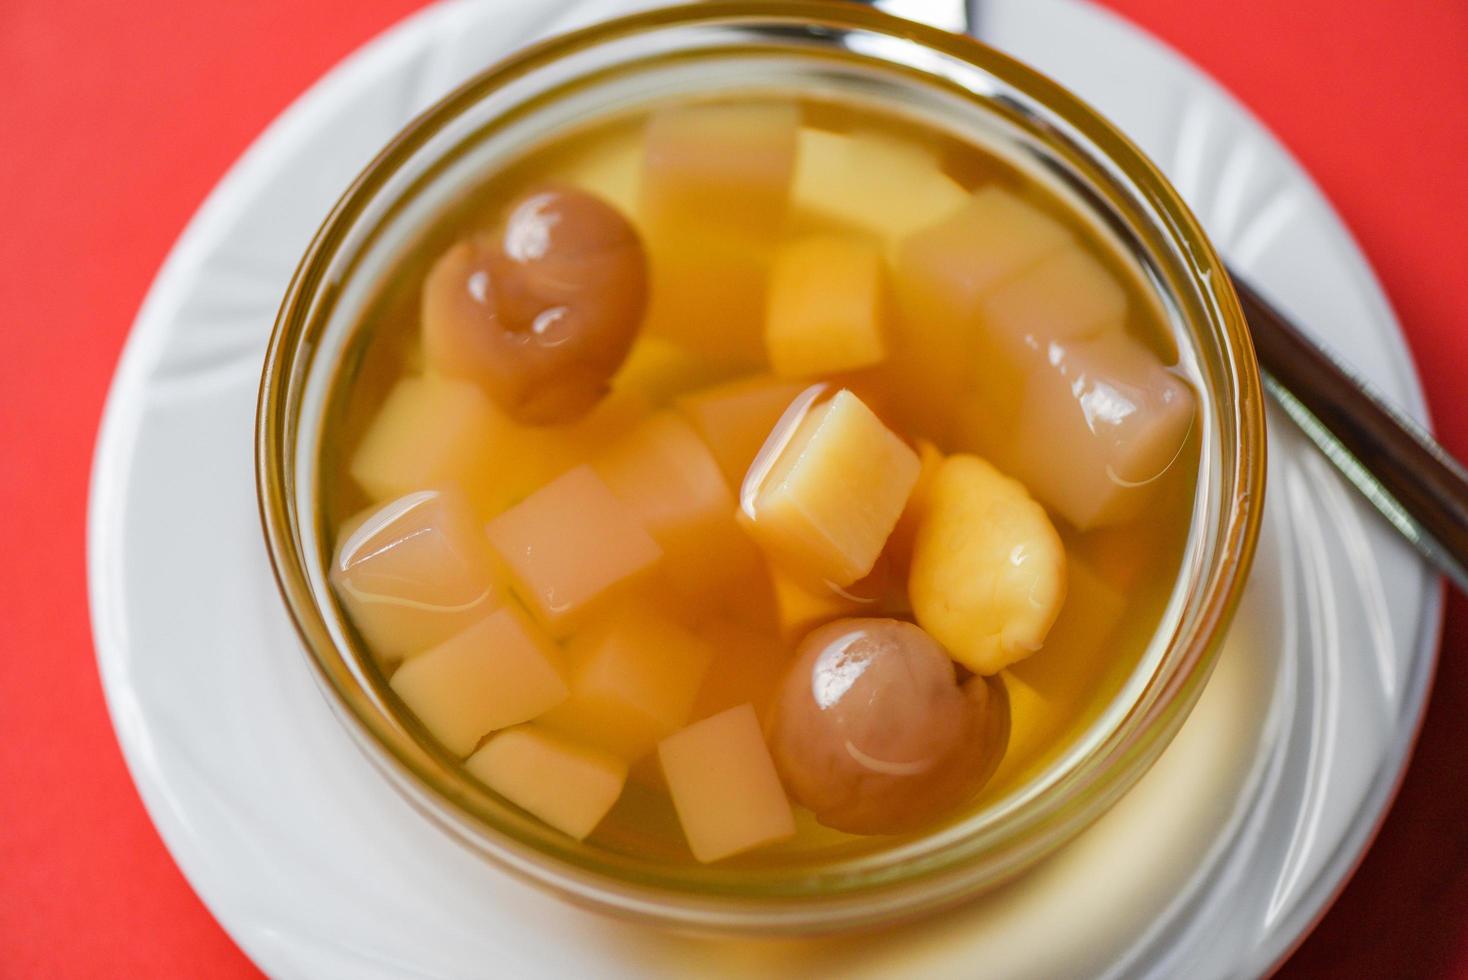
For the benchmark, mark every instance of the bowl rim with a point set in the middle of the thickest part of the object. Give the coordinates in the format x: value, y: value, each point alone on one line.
x: 275, y: 430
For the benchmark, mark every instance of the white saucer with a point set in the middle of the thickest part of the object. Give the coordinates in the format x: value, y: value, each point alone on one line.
x: 1213, y: 866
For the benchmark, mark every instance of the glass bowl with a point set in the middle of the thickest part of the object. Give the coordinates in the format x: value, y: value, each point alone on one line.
x: 830, y: 50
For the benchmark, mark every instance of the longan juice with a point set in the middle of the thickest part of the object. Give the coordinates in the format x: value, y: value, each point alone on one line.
x: 604, y: 566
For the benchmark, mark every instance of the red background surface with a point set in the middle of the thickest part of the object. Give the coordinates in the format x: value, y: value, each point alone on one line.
x: 117, y: 118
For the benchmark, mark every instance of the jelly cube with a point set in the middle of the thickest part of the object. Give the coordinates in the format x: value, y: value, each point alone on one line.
x: 833, y: 491
x: 1099, y: 423
x: 737, y: 417
x: 499, y: 672
x: 568, y: 545
x: 724, y: 786
x: 429, y: 432
x: 669, y: 478
x: 414, y: 572
x: 824, y: 306
x: 941, y: 275
x: 569, y: 786
x: 665, y: 473
x: 949, y: 266
x: 1068, y: 295
x: 885, y: 187
x: 723, y: 165
x: 634, y: 678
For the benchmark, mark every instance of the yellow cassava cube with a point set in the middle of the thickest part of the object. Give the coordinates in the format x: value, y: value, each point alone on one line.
x: 724, y: 786
x: 569, y: 786
x: 499, y: 672
x: 634, y: 678
x: 834, y: 491
x: 429, y: 432
x: 880, y: 185
x: 988, y: 568
x: 721, y: 165
x: 823, y: 312
x: 568, y: 545
x: 736, y: 418
x: 414, y: 572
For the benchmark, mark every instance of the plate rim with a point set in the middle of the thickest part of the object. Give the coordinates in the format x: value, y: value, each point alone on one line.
x: 121, y: 418
x: 121, y: 422
x: 1351, y: 850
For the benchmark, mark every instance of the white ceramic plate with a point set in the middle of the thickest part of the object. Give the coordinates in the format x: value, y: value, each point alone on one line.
x: 1213, y: 866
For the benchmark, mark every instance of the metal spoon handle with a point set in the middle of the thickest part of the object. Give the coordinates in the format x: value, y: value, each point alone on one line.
x: 1417, y: 486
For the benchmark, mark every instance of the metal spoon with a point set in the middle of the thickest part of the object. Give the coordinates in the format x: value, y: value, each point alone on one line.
x: 1409, y: 478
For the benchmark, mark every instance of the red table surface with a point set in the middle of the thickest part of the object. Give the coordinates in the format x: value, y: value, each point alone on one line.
x: 117, y: 118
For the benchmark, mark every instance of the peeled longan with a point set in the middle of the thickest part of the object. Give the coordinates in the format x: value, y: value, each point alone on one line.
x: 871, y: 731
x: 540, y: 313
